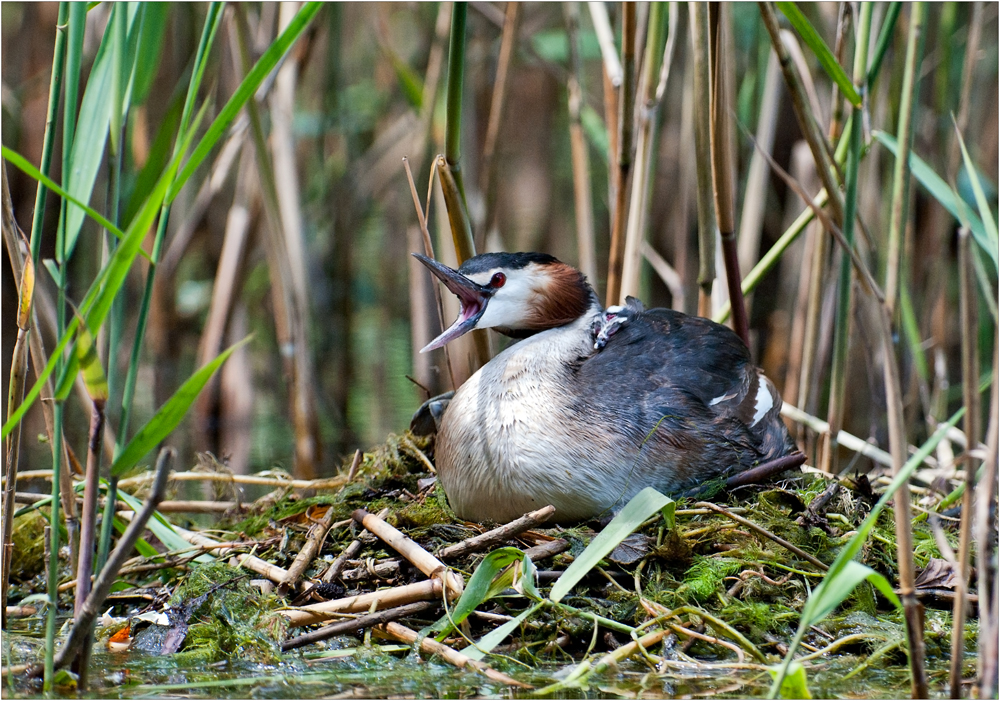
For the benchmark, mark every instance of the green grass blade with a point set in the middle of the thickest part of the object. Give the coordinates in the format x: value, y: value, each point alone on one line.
x: 497, y: 636
x: 102, y: 291
x: 93, y: 126
x: 24, y: 165
x: 940, y: 191
x: 642, y: 506
x: 826, y: 58
x: 833, y: 581
x: 884, y: 39
x: 169, y: 415
x: 480, y: 588
x: 245, y: 92
x: 154, y: 27
x: 162, y: 528
x: 977, y: 188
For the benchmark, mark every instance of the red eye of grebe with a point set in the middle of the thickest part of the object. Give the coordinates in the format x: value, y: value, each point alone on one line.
x: 497, y: 280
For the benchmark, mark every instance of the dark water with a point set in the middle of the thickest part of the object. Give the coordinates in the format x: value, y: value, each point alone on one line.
x: 392, y: 671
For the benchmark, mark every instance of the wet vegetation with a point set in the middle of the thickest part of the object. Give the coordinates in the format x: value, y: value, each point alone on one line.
x: 208, y: 211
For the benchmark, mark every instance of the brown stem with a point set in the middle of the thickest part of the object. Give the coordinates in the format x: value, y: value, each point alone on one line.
x: 807, y: 120
x: 764, y: 532
x: 361, y: 622
x: 317, y: 533
x: 970, y: 397
x: 433, y: 647
x: 703, y: 158
x: 497, y: 535
x: 626, y: 104
x: 500, y: 89
x: 723, y: 165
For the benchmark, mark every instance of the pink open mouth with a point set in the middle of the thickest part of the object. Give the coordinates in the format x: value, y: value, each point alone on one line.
x: 472, y: 296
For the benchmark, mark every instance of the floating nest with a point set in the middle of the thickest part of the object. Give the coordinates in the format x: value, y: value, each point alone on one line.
x: 375, y: 559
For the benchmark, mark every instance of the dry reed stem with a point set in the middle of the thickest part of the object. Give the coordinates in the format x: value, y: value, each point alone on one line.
x: 228, y: 276
x: 623, y: 159
x: 421, y: 559
x: 703, y: 159
x: 970, y: 397
x: 465, y: 247
x: 583, y: 205
x: 764, y: 532
x: 989, y: 583
x: 606, y: 41
x: 427, y: 590
x: 318, y: 484
x: 825, y: 167
x: 755, y: 196
x: 487, y: 178
x: 537, y: 553
x: 497, y: 535
x: 429, y: 252
x: 314, y: 539
x: 88, y: 522
x: 431, y: 646
x: 291, y: 317
x: 723, y: 164
x: 655, y: 67
x: 912, y: 609
x: 352, y: 624
x: 670, y: 277
x: 15, y: 392
x: 254, y: 564
x: 740, y: 655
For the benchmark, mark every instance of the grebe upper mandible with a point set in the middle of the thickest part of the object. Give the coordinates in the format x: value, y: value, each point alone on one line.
x: 593, y: 405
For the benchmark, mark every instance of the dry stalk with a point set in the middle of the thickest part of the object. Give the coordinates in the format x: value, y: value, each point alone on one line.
x: 291, y: 317
x: 703, y: 158
x: 427, y: 590
x: 421, y: 559
x: 764, y: 532
x: 626, y: 102
x: 655, y: 71
x: 317, y: 484
x: 723, y: 164
x: 807, y: 120
x: 584, y: 207
x: 352, y: 624
x: 433, y: 647
x: 429, y: 252
x: 487, y: 178
x: 465, y: 248
x: 317, y: 533
x: 15, y: 395
x: 755, y: 196
x: 989, y: 583
x: 970, y: 397
x: 497, y: 535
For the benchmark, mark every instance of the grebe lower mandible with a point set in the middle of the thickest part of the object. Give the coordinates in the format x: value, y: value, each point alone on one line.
x: 593, y: 405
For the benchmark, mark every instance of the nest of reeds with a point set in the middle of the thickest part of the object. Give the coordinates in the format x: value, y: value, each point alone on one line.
x: 377, y: 560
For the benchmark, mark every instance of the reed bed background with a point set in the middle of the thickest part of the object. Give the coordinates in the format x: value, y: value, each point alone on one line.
x: 670, y: 150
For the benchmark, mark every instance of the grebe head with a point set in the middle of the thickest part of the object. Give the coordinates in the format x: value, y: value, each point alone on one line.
x: 518, y: 294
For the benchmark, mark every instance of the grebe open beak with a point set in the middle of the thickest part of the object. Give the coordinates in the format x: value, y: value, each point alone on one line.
x: 471, y: 295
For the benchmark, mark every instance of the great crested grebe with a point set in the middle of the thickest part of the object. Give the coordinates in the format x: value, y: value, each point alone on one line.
x: 593, y: 405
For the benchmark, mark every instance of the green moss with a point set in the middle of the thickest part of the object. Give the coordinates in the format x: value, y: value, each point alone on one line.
x: 706, y: 577
x: 28, y: 558
x: 232, y: 620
